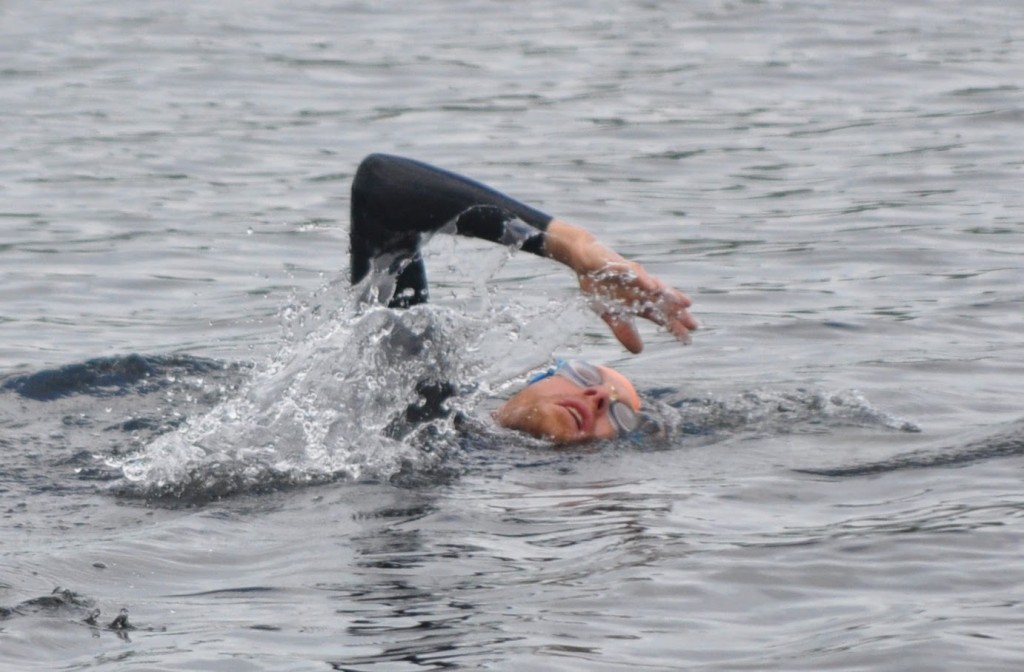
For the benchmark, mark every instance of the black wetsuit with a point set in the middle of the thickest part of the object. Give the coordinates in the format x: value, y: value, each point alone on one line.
x: 396, y: 200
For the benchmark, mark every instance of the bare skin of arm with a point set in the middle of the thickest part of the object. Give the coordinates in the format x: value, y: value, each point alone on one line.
x: 619, y: 289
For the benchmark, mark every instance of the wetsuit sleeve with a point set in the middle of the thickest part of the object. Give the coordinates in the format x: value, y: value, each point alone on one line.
x: 396, y: 200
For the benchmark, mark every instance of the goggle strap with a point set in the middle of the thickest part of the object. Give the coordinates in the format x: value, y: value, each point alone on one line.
x: 541, y: 376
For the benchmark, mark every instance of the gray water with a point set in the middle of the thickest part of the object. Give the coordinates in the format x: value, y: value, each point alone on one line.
x: 192, y: 410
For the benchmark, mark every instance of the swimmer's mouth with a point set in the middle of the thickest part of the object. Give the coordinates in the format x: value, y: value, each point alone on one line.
x: 576, y: 415
x: 581, y: 415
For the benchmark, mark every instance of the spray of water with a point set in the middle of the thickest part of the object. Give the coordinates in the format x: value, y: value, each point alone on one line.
x: 332, y: 403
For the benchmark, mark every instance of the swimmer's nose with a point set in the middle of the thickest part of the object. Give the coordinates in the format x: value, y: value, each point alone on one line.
x: 598, y: 397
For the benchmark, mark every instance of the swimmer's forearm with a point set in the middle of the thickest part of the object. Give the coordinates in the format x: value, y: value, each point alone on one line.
x: 576, y: 247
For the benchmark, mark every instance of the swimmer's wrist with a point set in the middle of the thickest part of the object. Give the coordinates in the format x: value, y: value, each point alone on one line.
x: 575, y: 247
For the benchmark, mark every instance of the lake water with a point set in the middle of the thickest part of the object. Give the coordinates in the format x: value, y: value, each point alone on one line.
x: 192, y: 410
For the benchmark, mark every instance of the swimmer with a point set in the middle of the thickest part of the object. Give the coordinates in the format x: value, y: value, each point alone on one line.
x: 395, y: 201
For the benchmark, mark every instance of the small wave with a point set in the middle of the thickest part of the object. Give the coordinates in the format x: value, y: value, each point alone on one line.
x: 109, y: 376
x: 60, y: 601
x: 1007, y: 442
x: 67, y: 604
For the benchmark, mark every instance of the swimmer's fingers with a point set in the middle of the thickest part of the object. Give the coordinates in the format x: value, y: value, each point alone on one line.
x: 641, y: 294
x: 622, y: 289
x: 624, y: 329
x: 669, y: 308
x: 680, y: 327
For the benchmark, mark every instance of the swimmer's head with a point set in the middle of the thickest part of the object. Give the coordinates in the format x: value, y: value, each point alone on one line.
x: 572, y: 402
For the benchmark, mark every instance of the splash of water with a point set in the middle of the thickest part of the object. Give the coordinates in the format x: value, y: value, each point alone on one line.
x: 317, y: 412
x: 330, y: 405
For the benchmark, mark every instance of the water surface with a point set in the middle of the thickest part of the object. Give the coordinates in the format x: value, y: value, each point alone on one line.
x: 837, y: 486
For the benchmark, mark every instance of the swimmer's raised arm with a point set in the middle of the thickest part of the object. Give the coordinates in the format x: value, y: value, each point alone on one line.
x: 395, y: 200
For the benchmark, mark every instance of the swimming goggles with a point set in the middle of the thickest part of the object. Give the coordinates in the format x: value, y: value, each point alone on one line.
x: 584, y: 374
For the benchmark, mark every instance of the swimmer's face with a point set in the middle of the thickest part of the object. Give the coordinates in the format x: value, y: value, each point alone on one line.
x: 561, y: 410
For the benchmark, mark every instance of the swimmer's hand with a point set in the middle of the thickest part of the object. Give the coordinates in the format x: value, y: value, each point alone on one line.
x: 619, y: 289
